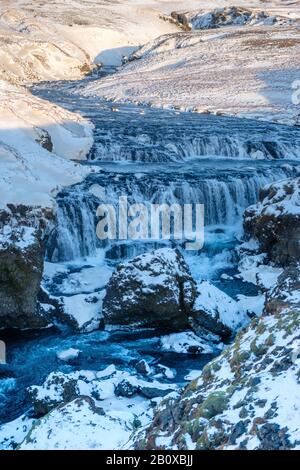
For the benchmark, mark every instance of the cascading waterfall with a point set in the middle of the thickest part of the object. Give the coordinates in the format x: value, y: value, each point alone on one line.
x: 149, y: 150
x: 161, y: 146
x: 224, y: 200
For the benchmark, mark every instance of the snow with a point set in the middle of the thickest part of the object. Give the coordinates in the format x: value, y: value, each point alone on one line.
x: 251, y: 304
x: 11, y: 434
x: 185, y: 343
x: 72, y: 428
x: 29, y: 173
x: 192, y: 375
x: 68, y: 354
x: 219, y: 306
x: 178, y: 71
x: 42, y: 43
x: 84, y: 310
x: 72, y: 425
x: 252, y: 268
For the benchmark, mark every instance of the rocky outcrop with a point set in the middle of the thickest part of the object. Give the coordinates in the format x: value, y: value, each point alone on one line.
x: 227, y: 16
x: 275, y: 221
x: 57, y: 389
x: 215, y: 311
x: 152, y: 290
x: 286, y: 292
x: 21, y: 267
x: 232, y: 404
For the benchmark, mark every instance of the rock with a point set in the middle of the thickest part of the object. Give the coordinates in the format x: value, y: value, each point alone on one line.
x: 230, y: 404
x: 285, y: 293
x: 273, y: 438
x: 186, y: 342
x: 21, y: 268
x: 227, y: 16
x: 152, y: 290
x: 215, y: 311
x: 168, y: 373
x: 143, y: 367
x: 275, y: 221
x: 58, y: 388
x: 126, y: 389
x: 154, y: 392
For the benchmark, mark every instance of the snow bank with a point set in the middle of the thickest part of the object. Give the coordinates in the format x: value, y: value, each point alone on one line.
x: 185, y: 343
x: 42, y: 43
x: 37, y: 142
x: 219, y: 306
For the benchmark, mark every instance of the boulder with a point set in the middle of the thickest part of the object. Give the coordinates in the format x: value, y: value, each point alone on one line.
x: 21, y: 268
x: 275, y: 221
x: 58, y: 388
x: 126, y: 389
x: 152, y: 290
x: 216, y: 312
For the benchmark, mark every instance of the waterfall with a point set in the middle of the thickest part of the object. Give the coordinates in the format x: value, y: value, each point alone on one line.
x: 224, y: 199
x: 109, y: 148
x: 162, y: 136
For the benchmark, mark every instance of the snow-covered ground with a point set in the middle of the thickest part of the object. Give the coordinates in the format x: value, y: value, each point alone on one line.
x: 247, y: 71
x: 38, y: 140
x: 39, y: 42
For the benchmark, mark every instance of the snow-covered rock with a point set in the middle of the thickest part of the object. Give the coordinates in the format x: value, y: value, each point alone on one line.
x: 275, y: 221
x: 227, y: 16
x: 58, y: 388
x: 154, y: 289
x: 248, y: 398
x: 83, y: 312
x: 71, y: 406
x: 285, y: 292
x: 68, y: 354
x: 215, y: 311
x: 72, y: 427
x: 186, y: 342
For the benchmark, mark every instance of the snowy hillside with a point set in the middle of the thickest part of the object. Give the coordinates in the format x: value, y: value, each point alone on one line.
x: 247, y: 71
x: 42, y: 43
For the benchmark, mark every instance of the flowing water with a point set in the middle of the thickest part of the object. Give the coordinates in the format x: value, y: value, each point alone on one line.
x: 151, y: 156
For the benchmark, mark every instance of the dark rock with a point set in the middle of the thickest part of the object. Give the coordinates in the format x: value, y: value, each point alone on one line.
x: 143, y: 367
x: 126, y: 389
x: 238, y: 430
x: 272, y: 437
x: 21, y: 268
x: 154, y: 392
x: 275, y: 223
x: 152, y: 290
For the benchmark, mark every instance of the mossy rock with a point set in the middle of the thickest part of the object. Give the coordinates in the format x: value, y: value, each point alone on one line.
x: 214, y: 404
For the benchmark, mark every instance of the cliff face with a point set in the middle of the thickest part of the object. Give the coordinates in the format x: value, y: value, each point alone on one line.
x: 275, y: 221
